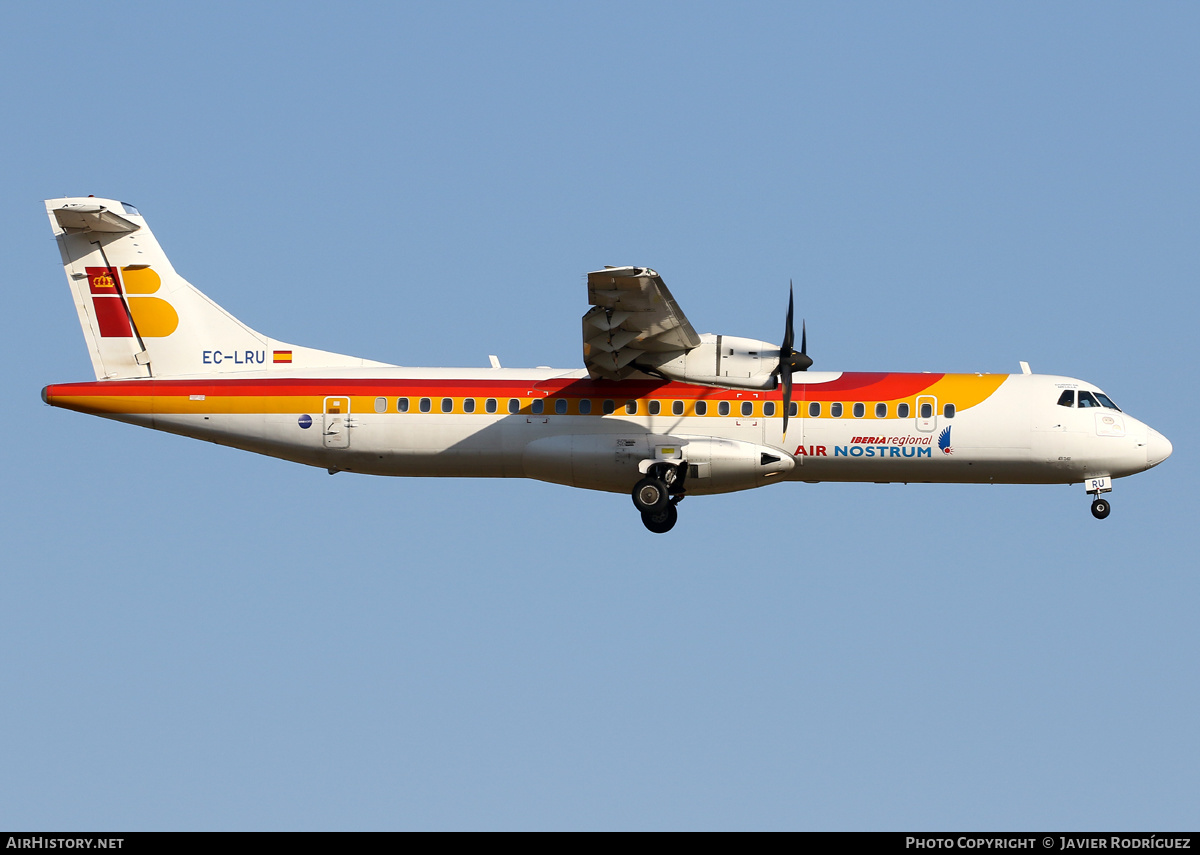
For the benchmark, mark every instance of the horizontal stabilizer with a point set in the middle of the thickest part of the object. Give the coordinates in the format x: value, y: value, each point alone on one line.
x: 93, y: 218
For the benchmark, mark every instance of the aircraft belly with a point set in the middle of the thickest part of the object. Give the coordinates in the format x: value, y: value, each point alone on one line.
x: 982, y: 466
x: 427, y: 446
x: 248, y: 431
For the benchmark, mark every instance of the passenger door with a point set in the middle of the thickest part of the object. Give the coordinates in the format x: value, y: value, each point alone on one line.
x: 336, y: 432
x: 926, y: 413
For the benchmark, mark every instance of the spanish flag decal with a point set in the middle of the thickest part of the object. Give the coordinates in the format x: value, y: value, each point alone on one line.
x: 282, y: 356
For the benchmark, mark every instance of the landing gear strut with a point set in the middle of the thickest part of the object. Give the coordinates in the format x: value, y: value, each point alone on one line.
x: 658, y: 493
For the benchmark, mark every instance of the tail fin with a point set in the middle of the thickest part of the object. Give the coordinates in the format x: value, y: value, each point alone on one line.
x: 141, y: 318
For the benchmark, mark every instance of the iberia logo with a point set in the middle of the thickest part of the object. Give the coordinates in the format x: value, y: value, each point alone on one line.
x: 944, y: 442
x: 152, y: 317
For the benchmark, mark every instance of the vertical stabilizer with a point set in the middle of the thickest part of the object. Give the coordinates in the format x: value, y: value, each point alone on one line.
x: 142, y: 319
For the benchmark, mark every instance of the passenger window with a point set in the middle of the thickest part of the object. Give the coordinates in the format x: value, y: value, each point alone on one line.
x: 948, y: 411
x: 402, y: 405
x: 814, y: 409
x: 537, y: 406
x: 490, y: 405
x: 677, y: 408
x: 631, y: 407
x: 447, y: 405
x: 425, y: 405
x: 768, y: 408
x: 468, y: 405
x: 655, y: 408
x: 723, y: 408
x: 793, y: 409
x: 560, y: 406
x: 701, y: 408
x: 927, y: 411
x: 1086, y: 400
x: 381, y: 405
x: 514, y: 405
x: 881, y: 411
x: 1067, y: 398
x: 860, y: 410
x: 902, y: 411
x: 585, y: 406
x: 835, y: 410
x: 609, y: 406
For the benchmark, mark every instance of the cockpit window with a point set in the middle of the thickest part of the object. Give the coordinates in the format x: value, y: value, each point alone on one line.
x: 1087, y: 399
x: 1107, y: 401
x: 1067, y: 398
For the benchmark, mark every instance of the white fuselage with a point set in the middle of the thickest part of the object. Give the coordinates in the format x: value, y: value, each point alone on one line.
x: 1014, y: 433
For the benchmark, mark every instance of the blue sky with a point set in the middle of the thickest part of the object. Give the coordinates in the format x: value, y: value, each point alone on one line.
x: 198, y: 638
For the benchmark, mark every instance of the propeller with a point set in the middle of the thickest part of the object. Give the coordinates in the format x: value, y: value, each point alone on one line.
x: 791, y: 359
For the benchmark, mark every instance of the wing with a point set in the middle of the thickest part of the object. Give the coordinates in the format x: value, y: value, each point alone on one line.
x: 632, y: 314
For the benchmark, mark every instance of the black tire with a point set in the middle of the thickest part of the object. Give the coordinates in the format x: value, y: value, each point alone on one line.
x: 661, y: 522
x: 650, y: 495
x: 1101, y: 508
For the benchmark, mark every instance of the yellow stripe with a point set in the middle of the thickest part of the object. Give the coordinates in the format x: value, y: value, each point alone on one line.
x: 962, y: 390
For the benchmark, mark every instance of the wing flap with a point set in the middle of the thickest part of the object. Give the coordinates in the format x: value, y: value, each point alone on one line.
x: 632, y: 313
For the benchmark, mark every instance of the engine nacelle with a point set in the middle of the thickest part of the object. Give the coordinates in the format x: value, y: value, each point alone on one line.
x: 723, y: 360
x: 613, y: 462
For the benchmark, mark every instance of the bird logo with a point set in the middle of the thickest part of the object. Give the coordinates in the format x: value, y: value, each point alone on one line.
x: 944, y: 442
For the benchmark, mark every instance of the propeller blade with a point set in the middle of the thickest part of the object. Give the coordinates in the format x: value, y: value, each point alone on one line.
x: 802, y: 361
x: 789, y: 332
x: 789, y: 359
x: 786, y: 371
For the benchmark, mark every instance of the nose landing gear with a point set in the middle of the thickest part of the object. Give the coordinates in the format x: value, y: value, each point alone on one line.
x: 658, y: 493
x: 1101, y: 507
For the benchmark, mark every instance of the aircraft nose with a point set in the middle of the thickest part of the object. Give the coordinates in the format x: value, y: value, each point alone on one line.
x: 1158, y: 447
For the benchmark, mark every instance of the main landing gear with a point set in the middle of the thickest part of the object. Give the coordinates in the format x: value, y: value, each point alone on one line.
x: 658, y: 493
x: 1100, y: 508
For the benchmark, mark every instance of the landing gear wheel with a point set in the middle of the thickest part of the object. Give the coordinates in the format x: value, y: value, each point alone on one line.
x: 1101, y: 508
x: 661, y: 522
x: 650, y: 495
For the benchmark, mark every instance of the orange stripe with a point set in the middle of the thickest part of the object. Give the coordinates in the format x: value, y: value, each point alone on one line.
x: 964, y: 391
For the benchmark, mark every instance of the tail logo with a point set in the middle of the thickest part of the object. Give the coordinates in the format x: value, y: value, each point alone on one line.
x: 944, y: 442
x: 102, y: 280
x: 151, y: 316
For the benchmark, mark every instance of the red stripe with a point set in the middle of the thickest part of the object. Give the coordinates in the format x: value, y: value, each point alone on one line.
x: 868, y: 386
